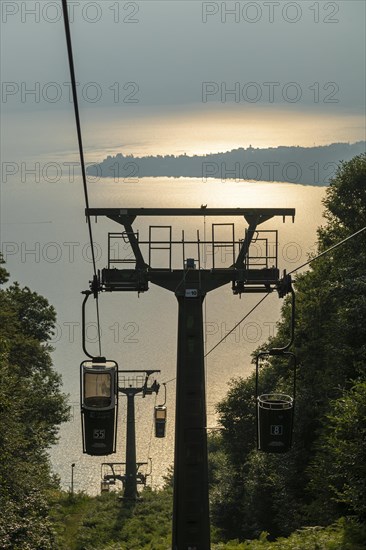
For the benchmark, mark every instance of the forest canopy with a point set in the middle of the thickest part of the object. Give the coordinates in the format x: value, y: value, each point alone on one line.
x: 32, y: 407
x: 323, y: 477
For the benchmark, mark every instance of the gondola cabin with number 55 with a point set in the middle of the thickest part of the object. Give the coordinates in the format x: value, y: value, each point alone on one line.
x: 99, y: 406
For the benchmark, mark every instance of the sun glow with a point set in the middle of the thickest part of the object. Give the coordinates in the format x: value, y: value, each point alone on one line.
x: 173, y: 132
x: 218, y: 130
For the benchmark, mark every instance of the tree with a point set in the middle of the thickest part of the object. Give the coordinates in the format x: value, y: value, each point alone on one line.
x: 280, y: 494
x: 339, y: 469
x: 32, y: 407
x: 4, y: 275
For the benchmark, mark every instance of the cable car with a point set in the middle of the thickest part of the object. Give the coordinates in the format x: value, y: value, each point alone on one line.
x: 275, y: 420
x: 160, y: 414
x: 275, y: 410
x: 104, y: 486
x: 99, y: 406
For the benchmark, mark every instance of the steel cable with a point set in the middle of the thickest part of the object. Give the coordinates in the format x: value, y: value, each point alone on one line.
x: 81, y: 149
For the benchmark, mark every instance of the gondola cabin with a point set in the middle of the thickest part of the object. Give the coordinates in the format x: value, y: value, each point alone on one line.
x: 99, y: 406
x: 275, y: 410
x: 275, y: 422
x: 104, y: 486
x: 160, y: 414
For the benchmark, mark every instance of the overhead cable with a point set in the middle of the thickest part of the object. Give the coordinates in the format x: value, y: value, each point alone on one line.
x: 293, y: 271
x: 237, y: 324
x: 81, y: 149
x: 328, y: 250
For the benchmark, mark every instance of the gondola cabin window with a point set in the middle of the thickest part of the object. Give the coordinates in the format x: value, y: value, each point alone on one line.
x: 97, y: 390
x: 160, y: 414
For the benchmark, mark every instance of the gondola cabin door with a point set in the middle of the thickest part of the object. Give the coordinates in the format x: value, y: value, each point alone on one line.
x: 99, y: 406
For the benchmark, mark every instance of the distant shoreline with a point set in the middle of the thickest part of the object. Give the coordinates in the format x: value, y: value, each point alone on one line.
x: 304, y: 165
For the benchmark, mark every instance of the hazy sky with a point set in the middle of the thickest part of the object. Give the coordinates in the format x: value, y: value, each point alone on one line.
x: 226, y: 61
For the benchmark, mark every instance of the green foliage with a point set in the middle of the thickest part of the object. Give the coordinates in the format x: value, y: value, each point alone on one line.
x: 37, y: 318
x: 323, y: 477
x: 346, y: 534
x: 346, y: 197
x: 24, y: 524
x: 4, y: 275
x: 107, y: 522
x: 338, y: 473
x: 31, y: 408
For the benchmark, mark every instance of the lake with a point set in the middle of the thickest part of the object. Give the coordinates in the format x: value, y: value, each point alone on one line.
x: 45, y: 242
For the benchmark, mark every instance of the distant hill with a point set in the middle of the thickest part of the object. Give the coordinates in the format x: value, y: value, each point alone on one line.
x: 305, y: 165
